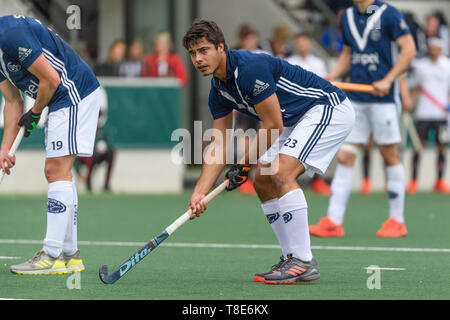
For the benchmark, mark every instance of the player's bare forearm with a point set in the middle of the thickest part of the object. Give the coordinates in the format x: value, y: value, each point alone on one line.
x: 269, y: 112
x: 213, y: 164
x: 343, y: 65
x: 263, y: 140
x: 45, y: 93
x: 407, y: 54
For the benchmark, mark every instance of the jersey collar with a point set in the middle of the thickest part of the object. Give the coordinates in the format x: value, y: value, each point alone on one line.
x: 368, y: 13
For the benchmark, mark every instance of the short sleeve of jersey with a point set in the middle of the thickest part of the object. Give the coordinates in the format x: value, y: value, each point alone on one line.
x: 256, y: 81
x: 218, y: 110
x: 344, y: 28
x: 396, y: 23
x: 22, y: 45
x: 2, y: 77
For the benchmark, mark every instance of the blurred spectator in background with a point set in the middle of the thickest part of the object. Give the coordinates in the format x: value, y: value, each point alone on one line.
x: 249, y: 39
x: 418, y: 34
x: 332, y: 38
x: 103, y: 152
x: 116, y: 55
x: 279, y: 45
x: 163, y: 62
x: 132, y: 67
x: 432, y: 89
x: 436, y: 27
x: 304, y: 58
x: 308, y: 61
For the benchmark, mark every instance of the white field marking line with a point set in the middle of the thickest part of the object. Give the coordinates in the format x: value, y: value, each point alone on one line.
x: 384, y: 268
x: 8, y: 258
x: 230, y: 246
x: 12, y: 299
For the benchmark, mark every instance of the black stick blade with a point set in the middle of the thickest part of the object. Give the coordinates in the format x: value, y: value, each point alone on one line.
x: 103, y: 274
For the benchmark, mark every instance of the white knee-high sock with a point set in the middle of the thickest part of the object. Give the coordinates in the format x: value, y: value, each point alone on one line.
x: 271, y: 210
x: 341, y: 187
x: 70, y: 245
x: 294, y: 210
x: 396, y: 191
x: 59, y: 206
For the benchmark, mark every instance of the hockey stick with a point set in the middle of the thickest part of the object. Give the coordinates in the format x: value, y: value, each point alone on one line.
x: 152, y: 244
x: 13, y: 149
x: 411, y: 129
x: 348, y: 86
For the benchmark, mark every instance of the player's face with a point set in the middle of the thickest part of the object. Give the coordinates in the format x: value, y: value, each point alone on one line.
x: 205, y: 56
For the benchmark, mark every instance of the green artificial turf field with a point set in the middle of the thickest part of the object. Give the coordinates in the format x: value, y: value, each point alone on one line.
x: 214, y: 257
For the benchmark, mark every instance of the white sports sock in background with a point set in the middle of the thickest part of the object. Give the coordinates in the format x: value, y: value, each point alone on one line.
x: 396, y: 191
x: 341, y: 187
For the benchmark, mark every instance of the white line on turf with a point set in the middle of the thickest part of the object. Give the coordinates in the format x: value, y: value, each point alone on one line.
x: 231, y: 246
x: 384, y: 268
x: 8, y: 258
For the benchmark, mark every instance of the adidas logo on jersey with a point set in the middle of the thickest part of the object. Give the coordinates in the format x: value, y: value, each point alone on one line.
x: 259, y: 87
x: 24, y: 53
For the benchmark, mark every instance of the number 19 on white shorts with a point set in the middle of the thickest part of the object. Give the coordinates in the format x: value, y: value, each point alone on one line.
x: 71, y: 130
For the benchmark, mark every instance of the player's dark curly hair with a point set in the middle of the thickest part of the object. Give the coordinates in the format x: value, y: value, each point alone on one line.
x: 204, y: 29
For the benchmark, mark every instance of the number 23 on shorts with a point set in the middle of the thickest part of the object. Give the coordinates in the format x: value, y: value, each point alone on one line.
x: 291, y: 143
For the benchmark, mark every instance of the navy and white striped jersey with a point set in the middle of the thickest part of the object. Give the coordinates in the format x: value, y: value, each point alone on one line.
x: 371, y: 37
x: 22, y: 41
x: 253, y: 77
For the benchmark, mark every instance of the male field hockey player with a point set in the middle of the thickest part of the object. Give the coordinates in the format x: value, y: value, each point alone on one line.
x: 378, y: 48
x: 312, y: 116
x: 35, y: 60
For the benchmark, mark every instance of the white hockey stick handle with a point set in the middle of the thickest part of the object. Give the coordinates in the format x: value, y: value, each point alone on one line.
x: 186, y: 216
x: 13, y: 149
x: 417, y: 144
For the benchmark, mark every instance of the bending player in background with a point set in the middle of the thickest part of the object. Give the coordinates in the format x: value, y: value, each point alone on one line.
x: 305, y: 59
x: 313, y: 116
x: 370, y: 27
x: 37, y: 61
x: 432, y: 79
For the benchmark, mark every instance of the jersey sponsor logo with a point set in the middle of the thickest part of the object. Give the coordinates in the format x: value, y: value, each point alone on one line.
x: 371, y: 60
x: 259, y: 87
x: 55, y: 206
x: 24, y: 53
x: 13, y: 67
x: 375, y: 35
x: 32, y: 88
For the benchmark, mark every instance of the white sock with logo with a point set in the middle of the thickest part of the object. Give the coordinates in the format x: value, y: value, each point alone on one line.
x: 341, y: 187
x: 294, y: 211
x: 59, y: 205
x: 271, y: 210
x: 70, y: 245
x: 396, y: 191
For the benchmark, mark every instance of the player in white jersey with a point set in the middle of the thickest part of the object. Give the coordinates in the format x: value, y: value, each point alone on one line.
x: 373, y: 33
x: 432, y: 81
